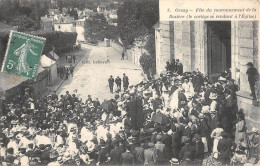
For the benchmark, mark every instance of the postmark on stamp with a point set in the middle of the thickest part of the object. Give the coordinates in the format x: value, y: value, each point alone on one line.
x: 23, y: 54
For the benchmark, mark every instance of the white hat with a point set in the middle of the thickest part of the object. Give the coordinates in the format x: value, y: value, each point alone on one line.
x: 255, y: 130
x: 205, y: 109
x: 91, y: 146
x: 213, y: 96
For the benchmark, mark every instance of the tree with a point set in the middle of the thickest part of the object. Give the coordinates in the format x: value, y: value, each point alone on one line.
x: 136, y: 18
x: 96, y: 28
x: 146, y: 63
x: 150, y: 47
x: 73, y: 13
x: 12, y: 11
x: 24, y: 23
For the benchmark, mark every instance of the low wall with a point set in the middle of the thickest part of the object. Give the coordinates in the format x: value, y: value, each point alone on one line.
x: 119, y: 48
x: 132, y: 54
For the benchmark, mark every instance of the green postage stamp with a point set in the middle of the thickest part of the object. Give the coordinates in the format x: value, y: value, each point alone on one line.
x: 23, y: 54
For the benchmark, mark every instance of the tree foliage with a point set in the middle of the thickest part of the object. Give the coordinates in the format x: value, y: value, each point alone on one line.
x: 27, y: 13
x: 24, y: 23
x: 136, y: 18
x: 150, y: 47
x: 97, y: 28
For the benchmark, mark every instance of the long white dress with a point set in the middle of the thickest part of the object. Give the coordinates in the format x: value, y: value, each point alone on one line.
x: 174, y: 100
x: 216, y: 134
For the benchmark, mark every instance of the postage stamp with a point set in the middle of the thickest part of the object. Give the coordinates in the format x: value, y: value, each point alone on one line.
x: 23, y: 54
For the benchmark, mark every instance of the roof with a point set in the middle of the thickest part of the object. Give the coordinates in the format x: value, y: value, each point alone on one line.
x: 46, y: 19
x: 157, y: 25
x: 102, y: 6
x: 82, y: 19
x: 5, y: 28
x: 54, y: 10
x: 52, y: 55
x: 9, y: 81
x: 46, y: 62
x: 65, y: 19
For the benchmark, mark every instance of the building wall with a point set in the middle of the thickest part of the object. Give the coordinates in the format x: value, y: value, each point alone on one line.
x: 164, y: 44
x: 46, y: 25
x: 244, y: 48
x: 80, y: 31
x: 65, y: 27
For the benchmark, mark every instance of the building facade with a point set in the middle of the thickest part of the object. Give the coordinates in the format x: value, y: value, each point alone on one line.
x: 213, y: 47
x: 80, y: 29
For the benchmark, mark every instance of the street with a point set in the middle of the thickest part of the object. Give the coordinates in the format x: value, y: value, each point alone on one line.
x: 92, y: 78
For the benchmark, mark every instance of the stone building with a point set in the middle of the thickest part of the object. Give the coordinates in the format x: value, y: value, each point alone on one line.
x: 212, y: 47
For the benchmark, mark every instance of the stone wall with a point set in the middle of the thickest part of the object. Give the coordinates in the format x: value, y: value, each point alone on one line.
x: 164, y: 44
x: 244, y: 48
x: 132, y: 54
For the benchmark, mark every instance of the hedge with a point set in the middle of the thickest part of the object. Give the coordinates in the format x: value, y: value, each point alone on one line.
x: 62, y: 41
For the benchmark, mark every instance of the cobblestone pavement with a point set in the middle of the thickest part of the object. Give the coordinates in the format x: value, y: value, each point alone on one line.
x: 92, y: 73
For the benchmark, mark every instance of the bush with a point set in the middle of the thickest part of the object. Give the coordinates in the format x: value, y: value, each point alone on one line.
x: 146, y: 63
x: 150, y: 47
x: 61, y: 41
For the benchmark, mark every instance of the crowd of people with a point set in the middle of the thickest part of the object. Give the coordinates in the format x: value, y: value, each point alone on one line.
x: 118, y: 82
x: 178, y: 118
x: 64, y: 72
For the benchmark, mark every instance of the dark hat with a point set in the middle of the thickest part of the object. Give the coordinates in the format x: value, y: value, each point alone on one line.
x: 224, y: 134
x: 249, y: 64
x: 185, y: 121
x: 102, y: 142
x: 165, y: 128
x: 197, y: 136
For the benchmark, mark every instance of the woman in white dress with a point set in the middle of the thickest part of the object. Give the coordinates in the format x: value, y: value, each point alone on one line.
x: 216, y: 134
x: 174, y: 100
x: 165, y: 96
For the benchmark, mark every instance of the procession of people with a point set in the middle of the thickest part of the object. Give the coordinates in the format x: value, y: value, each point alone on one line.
x: 179, y: 118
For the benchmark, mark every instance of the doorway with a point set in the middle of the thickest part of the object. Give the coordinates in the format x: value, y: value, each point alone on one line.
x: 219, y: 48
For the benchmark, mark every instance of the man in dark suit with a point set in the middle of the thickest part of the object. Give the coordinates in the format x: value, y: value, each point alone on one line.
x: 167, y: 140
x: 118, y: 82
x: 127, y: 158
x: 116, y: 153
x: 182, y: 99
x: 187, y: 153
x: 103, y: 153
x: 111, y: 83
x: 187, y: 130
x: 224, y: 149
x: 252, y: 78
x: 160, y: 154
x: 179, y: 67
x: 139, y: 155
x: 148, y: 154
x: 176, y: 142
x: 125, y: 82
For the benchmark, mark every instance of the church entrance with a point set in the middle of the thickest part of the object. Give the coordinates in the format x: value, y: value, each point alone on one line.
x: 218, y: 48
